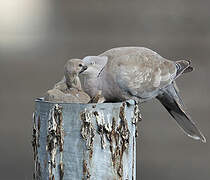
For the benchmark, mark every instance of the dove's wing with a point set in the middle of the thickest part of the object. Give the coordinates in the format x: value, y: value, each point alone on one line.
x: 121, y: 51
x: 142, y: 74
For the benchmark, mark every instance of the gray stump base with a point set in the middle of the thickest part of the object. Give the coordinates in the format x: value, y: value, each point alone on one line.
x: 85, y: 141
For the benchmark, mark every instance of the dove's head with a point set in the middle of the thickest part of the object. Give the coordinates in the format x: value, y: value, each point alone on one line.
x: 95, y: 64
x: 74, y: 66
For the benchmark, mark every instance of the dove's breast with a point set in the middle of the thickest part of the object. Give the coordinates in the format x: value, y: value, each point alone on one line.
x: 110, y: 89
x: 89, y: 84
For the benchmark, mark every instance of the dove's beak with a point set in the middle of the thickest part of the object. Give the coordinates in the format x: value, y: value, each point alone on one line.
x: 83, y: 69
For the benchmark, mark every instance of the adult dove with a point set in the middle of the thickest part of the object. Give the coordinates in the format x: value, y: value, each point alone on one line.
x: 69, y: 88
x: 140, y: 74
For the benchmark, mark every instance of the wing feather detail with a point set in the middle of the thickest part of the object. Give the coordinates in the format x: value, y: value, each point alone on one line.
x: 141, y: 73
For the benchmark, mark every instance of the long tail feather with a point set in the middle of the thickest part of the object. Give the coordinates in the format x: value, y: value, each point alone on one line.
x: 183, y: 66
x: 172, y: 102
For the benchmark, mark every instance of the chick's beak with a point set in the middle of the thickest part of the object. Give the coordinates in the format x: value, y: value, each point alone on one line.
x: 83, y: 69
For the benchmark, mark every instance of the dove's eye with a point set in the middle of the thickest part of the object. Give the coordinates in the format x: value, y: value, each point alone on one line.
x: 92, y: 63
x: 80, y: 65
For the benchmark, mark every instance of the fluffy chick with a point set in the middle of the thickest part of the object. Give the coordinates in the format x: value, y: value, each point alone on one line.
x: 69, y: 89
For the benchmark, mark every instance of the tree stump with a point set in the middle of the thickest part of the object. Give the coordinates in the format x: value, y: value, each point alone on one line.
x: 85, y: 141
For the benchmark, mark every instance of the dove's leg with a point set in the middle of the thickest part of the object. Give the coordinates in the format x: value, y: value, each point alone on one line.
x: 173, y: 103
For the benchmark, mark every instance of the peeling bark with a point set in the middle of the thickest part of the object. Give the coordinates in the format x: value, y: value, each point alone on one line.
x: 87, y: 129
x: 35, y: 145
x: 101, y: 127
x: 55, y: 139
x: 137, y: 117
x: 99, y: 141
x: 86, y: 173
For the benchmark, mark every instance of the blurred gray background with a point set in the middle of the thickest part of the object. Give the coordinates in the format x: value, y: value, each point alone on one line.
x: 36, y: 39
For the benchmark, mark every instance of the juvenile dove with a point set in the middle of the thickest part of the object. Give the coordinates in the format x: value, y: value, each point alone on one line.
x: 69, y: 89
x: 140, y: 74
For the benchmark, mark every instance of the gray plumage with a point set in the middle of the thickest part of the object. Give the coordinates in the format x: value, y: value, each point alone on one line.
x: 140, y: 74
x: 69, y: 88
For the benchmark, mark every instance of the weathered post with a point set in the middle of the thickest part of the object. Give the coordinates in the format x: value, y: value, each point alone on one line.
x: 85, y: 141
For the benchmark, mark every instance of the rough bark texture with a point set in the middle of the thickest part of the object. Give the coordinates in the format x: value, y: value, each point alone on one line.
x: 85, y: 141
